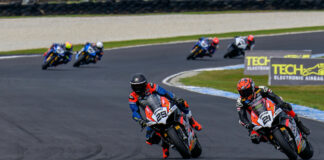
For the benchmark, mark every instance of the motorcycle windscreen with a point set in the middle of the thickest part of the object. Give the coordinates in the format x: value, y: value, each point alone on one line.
x: 265, y: 117
x: 160, y: 114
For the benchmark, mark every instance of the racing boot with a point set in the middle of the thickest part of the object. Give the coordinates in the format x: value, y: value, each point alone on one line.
x: 165, y: 150
x: 194, y: 124
x: 301, y: 126
x: 255, y: 137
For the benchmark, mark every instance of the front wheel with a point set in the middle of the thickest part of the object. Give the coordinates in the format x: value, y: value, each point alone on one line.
x: 178, y: 142
x: 193, y: 54
x: 308, y: 152
x: 196, y: 151
x: 283, y: 141
x: 48, y: 62
x: 77, y: 63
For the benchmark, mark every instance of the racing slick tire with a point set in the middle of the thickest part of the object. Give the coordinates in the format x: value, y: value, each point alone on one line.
x: 178, y: 143
x: 196, y: 151
x: 284, y: 144
x: 47, y: 63
x: 308, y: 152
x: 77, y: 63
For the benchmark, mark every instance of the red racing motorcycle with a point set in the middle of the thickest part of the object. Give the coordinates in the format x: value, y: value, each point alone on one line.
x: 172, y: 125
x: 280, y: 130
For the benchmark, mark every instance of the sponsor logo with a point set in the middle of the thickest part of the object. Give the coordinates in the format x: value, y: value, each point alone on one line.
x: 294, y: 69
x: 297, y: 56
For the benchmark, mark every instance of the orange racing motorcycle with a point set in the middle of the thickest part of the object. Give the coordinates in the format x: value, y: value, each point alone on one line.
x: 171, y: 125
x: 280, y: 130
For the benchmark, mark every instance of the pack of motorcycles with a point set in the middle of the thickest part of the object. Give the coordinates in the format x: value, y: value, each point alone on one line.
x: 163, y: 116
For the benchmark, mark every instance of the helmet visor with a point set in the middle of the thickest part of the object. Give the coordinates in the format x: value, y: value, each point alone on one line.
x: 139, y: 88
x: 245, y: 93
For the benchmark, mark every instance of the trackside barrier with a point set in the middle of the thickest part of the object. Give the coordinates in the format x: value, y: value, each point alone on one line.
x: 257, y: 62
x: 296, y: 71
x: 15, y: 8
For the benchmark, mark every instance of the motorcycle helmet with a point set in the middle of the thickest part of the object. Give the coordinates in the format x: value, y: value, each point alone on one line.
x: 246, y: 88
x: 215, y: 41
x: 250, y: 39
x: 99, y: 45
x: 68, y: 45
x: 138, y: 83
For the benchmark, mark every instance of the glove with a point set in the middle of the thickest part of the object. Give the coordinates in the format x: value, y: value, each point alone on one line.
x: 249, y: 126
x: 286, y: 106
x: 142, y: 123
x: 179, y: 101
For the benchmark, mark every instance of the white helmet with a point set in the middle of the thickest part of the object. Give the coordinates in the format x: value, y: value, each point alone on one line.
x: 99, y: 45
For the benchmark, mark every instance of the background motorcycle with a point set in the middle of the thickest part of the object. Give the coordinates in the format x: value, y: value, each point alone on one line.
x: 280, y: 130
x: 236, y: 48
x: 200, y: 49
x: 172, y: 125
x: 53, y: 58
x: 86, y: 55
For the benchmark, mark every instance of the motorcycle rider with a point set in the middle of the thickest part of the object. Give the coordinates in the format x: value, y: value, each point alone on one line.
x: 68, y: 51
x: 212, y: 45
x: 244, y: 43
x: 248, y: 93
x: 140, y: 89
x: 98, y: 48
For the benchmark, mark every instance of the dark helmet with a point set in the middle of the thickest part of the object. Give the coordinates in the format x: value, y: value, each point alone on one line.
x: 138, y: 83
x: 246, y: 88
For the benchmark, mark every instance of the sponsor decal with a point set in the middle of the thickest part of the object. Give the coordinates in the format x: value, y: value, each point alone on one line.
x: 296, y: 71
x: 258, y: 62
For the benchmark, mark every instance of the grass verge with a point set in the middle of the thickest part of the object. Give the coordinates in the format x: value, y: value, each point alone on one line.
x: 115, y: 44
x: 227, y: 80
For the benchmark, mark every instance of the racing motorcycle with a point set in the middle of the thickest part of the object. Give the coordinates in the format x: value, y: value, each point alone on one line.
x: 236, y: 48
x: 171, y: 124
x: 85, y: 56
x: 53, y: 58
x: 200, y: 49
x: 280, y: 130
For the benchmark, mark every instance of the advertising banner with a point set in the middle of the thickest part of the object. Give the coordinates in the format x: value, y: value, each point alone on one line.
x: 257, y: 62
x: 296, y: 71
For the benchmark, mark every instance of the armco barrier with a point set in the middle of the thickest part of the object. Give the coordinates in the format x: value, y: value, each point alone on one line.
x: 152, y: 6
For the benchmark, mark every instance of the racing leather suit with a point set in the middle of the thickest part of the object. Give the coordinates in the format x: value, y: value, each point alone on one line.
x: 243, y: 44
x: 244, y: 105
x: 152, y: 88
x: 67, y: 53
x: 211, y: 47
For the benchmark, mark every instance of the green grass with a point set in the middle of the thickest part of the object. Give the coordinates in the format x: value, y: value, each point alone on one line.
x: 115, y: 44
x: 227, y: 80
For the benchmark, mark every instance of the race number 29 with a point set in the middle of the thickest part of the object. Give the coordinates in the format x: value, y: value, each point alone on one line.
x: 161, y: 115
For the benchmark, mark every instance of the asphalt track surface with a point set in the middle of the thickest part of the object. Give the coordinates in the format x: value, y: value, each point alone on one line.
x: 68, y: 113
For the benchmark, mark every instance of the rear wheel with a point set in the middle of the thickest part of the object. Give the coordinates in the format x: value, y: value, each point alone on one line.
x: 77, y: 63
x: 308, y: 152
x: 283, y: 140
x: 196, y: 152
x: 179, y: 143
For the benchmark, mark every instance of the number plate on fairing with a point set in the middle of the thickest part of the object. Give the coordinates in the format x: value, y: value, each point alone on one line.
x: 160, y: 115
x: 265, y: 119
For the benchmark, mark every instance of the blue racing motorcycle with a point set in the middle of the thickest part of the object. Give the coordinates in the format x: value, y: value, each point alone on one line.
x: 85, y: 56
x: 200, y: 49
x: 54, y: 57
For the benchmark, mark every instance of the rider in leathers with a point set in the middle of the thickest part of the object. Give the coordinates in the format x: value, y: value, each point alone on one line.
x: 141, y: 89
x: 249, y: 93
x: 68, y: 51
x: 245, y: 43
x: 212, y: 45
